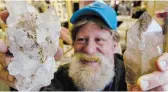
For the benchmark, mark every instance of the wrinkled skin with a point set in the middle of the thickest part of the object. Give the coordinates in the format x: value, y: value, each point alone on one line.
x: 91, y: 40
x: 154, y: 81
x: 94, y: 67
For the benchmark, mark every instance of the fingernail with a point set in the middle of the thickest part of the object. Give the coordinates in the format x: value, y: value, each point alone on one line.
x: 3, y: 47
x: 144, y: 84
x: 163, y: 64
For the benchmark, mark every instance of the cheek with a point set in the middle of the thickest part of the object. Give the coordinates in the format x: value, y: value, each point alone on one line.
x: 77, y: 48
x: 107, y: 50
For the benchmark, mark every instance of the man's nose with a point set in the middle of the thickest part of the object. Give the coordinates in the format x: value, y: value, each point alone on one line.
x: 90, y: 48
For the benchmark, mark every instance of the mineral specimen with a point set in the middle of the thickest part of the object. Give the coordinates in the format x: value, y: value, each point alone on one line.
x: 144, y: 44
x: 33, y: 39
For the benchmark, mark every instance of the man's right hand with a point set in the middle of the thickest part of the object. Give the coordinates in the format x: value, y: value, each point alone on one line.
x: 4, y: 62
x: 3, y: 15
x: 6, y: 59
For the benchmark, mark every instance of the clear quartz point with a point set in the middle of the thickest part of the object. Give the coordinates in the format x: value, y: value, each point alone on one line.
x: 144, y: 45
x: 33, y: 39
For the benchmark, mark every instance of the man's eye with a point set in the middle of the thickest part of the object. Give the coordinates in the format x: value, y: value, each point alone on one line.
x: 81, y: 40
x: 100, y: 40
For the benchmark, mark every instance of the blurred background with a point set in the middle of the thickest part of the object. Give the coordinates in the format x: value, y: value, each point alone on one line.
x: 128, y: 11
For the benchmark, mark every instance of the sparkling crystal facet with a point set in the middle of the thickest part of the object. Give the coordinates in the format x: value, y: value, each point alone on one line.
x: 33, y: 39
x: 144, y: 44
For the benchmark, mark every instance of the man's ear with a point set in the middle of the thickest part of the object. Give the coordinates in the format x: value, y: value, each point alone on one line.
x: 117, y: 48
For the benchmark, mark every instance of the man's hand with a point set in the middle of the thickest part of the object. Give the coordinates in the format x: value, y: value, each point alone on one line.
x: 65, y: 35
x: 4, y: 14
x: 4, y: 62
x: 6, y: 59
x: 158, y: 80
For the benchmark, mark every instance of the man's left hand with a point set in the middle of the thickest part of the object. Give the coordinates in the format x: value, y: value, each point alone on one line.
x: 158, y: 80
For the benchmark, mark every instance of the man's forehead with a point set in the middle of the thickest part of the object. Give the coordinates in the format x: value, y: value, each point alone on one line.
x: 91, y: 25
x: 93, y: 28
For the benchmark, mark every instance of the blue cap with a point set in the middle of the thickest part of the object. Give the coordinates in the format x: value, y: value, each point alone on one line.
x: 99, y: 9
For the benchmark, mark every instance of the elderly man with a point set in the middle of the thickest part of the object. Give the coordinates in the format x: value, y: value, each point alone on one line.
x: 95, y: 66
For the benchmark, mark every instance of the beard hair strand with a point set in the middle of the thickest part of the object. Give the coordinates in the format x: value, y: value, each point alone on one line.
x: 89, y: 79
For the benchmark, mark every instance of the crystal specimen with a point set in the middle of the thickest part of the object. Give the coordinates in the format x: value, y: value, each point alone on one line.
x: 33, y: 39
x: 144, y: 44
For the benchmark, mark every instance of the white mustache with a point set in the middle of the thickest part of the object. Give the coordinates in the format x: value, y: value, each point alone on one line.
x: 96, y: 58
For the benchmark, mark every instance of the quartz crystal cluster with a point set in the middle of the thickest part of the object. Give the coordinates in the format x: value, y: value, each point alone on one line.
x: 33, y: 39
x: 144, y: 45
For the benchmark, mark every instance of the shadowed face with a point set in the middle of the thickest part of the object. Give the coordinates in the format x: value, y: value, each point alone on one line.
x: 93, y: 65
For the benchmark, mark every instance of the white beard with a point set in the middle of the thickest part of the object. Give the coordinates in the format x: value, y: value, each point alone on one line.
x: 91, y: 78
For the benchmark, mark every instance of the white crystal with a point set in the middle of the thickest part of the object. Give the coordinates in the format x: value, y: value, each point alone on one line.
x: 33, y: 39
x: 144, y: 44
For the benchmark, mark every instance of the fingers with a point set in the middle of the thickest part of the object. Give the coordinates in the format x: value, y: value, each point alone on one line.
x: 6, y: 78
x: 4, y: 14
x: 162, y: 62
x: 165, y: 87
x: 5, y: 60
x: 153, y: 80
x: 3, y: 47
x: 160, y: 88
x: 58, y: 54
x: 133, y: 87
x: 2, y: 58
x: 4, y: 74
x: 129, y: 87
x: 64, y: 35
